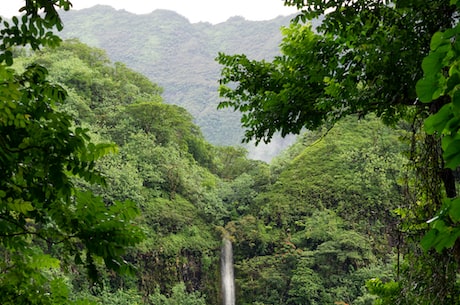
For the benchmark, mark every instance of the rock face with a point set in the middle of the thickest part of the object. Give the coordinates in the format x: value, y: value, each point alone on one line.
x: 180, y: 57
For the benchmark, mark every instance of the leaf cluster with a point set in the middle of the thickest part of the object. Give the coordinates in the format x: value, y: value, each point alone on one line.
x: 34, y: 28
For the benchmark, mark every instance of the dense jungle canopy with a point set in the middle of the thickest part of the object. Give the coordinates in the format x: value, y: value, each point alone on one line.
x: 109, y: 195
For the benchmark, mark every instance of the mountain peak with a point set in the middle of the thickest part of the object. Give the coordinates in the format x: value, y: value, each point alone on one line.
x: 168, y: 15
x: 179, y: 56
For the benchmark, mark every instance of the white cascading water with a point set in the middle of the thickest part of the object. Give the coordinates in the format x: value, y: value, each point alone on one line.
x: 226, y: 270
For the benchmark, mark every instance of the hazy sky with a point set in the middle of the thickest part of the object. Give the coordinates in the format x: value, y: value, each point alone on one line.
x: 213, y: 11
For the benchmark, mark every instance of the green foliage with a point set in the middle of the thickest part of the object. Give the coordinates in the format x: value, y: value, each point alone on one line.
x: 436, y: 84
x: 439, y: 86
x: 168, y: 123
x: 188, y: 72
x: 179, y: 296
x: 160, y: 165
x: 443, y: 232
x: 298, y: 236
x: 120, y: 297
x: 360, y: 62
x: 32, y: 28
x: 290, y: 249
x: 265, y: 98
x: 354, y: 169
x: 41, y: 153
x: 307, y: 287
x: 387, y: 292
x: 337, y: 256
x: 300, y: 270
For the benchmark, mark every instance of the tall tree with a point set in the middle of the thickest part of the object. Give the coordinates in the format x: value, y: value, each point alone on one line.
x: 358, y: 62
x: 44, y: 219
x: 365, y: 57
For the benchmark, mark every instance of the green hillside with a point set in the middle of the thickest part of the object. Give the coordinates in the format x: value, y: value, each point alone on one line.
x: 111, y: 194
x: 312, y: 227
x: 180, y: 57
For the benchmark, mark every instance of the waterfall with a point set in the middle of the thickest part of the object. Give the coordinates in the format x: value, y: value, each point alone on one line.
x: 226, y: 270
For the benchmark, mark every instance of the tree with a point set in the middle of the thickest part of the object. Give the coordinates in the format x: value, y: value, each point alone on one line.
x: 179, y: 296
x: 357, y: 62
x: 440, y: 82
x: 45, y: 220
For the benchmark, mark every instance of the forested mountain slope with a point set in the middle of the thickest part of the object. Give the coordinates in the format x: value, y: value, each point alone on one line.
x: 325, y: 224
x: 110, y: 195
x: 164, y: 165
x: 180, y: 57
x: 310, y: 228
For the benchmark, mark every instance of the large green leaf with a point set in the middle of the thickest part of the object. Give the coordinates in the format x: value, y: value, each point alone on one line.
x: 454, y: 210
x: 437, y: 121
x: 437, y: 40
x: 426, y: 88
x: 433, y: 63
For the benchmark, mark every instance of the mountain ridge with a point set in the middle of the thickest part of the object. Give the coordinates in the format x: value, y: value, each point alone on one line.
x: 180, y: 56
